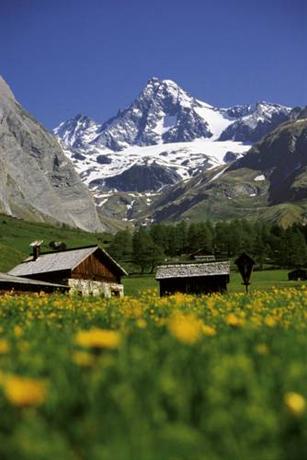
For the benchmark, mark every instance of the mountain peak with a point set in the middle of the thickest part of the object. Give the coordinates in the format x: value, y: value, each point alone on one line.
x: 161, y: 81
x: 71, y: 130
x: 153, y: 80
x: 164, y: 112
x: 166, y: 92
x: 155, y: 84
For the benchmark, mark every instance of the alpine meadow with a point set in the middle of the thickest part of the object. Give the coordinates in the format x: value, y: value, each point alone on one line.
x: 153, y: 230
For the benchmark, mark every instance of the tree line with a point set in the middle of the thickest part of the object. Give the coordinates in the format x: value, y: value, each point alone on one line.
x: 146, y: 247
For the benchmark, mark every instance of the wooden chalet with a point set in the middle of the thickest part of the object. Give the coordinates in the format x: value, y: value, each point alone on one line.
x: 87, y: 270
x: 19, y: 285
x: 193, y: 278
x: 297, y: 275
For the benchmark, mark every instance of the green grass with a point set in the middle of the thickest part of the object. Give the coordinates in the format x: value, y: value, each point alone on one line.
x: 178, y: 378
x: 134, y: 285
x: 261, y: 280
x: 16, y: 235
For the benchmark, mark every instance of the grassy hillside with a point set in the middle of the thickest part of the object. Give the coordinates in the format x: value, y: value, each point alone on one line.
x: 16, y: 235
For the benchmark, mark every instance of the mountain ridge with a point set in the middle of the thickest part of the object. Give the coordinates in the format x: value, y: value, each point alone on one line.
x: 164, y: 138
x: 168, y: 155
x: 269, y: 182
x: 166, y: 126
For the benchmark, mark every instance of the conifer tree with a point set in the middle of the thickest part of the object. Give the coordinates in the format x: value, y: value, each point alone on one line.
x: 146, y: 254
x: 121, y: 246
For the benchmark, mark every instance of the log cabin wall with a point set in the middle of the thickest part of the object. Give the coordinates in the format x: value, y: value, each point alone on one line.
x: 58, y: 277
x: 194, y: 285
x: 94, y: 269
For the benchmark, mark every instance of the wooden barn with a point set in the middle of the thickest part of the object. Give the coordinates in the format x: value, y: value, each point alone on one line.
x: 196, y: 278
x: 19, y: 285
x: 297, y: 275
x: 87, y: 270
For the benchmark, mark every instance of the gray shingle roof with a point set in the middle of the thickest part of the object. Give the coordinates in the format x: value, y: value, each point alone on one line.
x: 191, y: 270
x: 58, y: 261
x: 7, y: 279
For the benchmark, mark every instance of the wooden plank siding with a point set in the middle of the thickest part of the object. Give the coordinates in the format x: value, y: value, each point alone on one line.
x: 94, y: 268
x: 194, y: 285
x: 58, y: 277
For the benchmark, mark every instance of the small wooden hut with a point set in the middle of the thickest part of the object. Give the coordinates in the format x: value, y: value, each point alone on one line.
x: 196, y: 278
x: 297, y: 275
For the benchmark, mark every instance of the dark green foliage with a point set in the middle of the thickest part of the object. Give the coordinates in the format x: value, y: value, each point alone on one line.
x: 121, y: 246
x: 267, y: 244
x: 290, y: 249
x: 146, y: 253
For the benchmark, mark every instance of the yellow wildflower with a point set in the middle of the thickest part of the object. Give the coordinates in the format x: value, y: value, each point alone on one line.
x: 98, y: 338
x: 270, y: 321
x: 22, y: 392
x: 186, y: 328
x: 208, y: 330
x: 234, y: 321
x: 295, y: 403
x: 132, y: 308
x: 4, y: 346
x: 180, y: 298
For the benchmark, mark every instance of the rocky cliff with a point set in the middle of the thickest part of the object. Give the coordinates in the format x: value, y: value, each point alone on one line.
x: 37, y: 181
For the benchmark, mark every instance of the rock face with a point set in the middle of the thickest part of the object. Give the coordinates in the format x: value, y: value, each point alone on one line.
x: 37, y: 181
x: 282, y: 158
x: 268, y: 183
x: 256, y: 122
x: 142, y: 178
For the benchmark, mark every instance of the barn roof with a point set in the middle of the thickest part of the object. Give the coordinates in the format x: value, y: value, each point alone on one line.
x: 6, y: 278
x: 61, y: 260
x: 192, y: 270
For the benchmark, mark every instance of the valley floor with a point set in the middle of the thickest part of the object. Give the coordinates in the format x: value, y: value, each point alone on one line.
x: 261, y: 280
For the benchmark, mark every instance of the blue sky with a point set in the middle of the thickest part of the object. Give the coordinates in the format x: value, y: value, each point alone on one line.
x: 62, y: 57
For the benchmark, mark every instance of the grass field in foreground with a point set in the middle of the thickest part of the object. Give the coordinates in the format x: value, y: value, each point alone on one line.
x: 173, y: 378
x: 260, y: 280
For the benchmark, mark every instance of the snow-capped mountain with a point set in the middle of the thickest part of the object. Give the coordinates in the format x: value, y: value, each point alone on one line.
x: 164, y: 136
x: 77, y: 132
x: 256, y: 123
x: 163, y: 113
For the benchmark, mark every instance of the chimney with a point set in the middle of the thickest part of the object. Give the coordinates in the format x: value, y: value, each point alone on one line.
x: 36, y: 249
